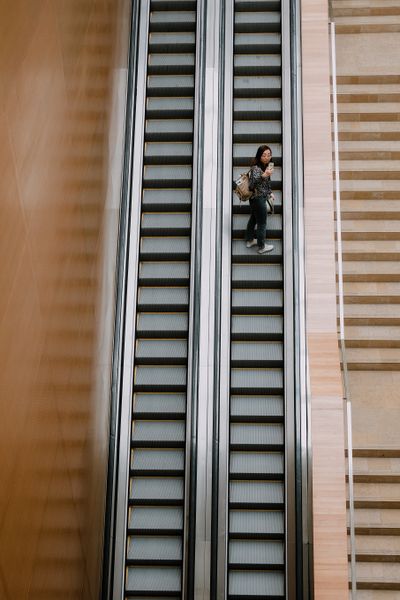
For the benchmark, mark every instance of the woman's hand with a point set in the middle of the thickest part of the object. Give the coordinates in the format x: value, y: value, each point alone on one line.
x: 267, y: 173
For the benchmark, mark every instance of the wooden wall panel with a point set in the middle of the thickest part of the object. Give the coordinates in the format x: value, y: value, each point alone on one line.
x: 328, y: 468
x: 62, y: 78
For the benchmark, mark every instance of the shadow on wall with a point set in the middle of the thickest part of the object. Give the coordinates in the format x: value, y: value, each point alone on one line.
x: 57, y: 66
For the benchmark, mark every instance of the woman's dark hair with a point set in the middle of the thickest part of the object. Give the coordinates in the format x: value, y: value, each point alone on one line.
x: 257, y: 159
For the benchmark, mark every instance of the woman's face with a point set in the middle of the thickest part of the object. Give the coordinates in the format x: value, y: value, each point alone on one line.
x: 266, y: 157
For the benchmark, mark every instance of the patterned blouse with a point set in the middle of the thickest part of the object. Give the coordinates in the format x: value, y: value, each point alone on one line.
x: 260, y: 185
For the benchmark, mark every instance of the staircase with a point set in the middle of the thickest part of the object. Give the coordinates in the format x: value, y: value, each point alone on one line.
x: 377, y: 522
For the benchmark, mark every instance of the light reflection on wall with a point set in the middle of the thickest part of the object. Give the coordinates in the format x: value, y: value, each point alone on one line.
x: 58, y: 66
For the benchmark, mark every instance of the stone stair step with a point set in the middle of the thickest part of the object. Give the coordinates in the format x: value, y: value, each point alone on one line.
x: 368, y: 106
x: 375, y: 491
x: 373, y: 359
x: 372, y: 337
x: 388, y: 26
x: 365, y: 529
x: 376, y: 478
x: 377, y: 517
x: 368, y: 503
x: 373, y: 544
x: 385, y: 312
x: 375, y: 595
x: 392, y: 452
x: 377, y: 584
x: 382, y: 293
x: 376, y: 557
x: 366, y: 97
x: 376, y: 461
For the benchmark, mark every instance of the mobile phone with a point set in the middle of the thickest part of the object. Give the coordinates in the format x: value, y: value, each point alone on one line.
x: 271, y: 166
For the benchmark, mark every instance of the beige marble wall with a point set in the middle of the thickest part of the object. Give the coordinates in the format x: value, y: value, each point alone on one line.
x: 62, y: 77
x: 328, y: 468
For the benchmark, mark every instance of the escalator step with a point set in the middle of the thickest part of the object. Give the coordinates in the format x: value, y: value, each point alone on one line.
x: 160, y: 379
x: 256, y: 523
x: 150, y: 519
x: 163, y: 299
x: 155, y: 549
x: 158, y: 433
x: 257, y: 435
x: 257, y: 408
x: 145, y: 580
x: 148, y: 405
x: 269, y: 464
x: 244, y: 585
x: 256, y: 554
x: 156, y: 490
x: 153, y: 460
x: 161, y: 352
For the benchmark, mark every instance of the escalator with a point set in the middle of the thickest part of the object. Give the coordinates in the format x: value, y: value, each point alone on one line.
x: 256, y: 555
x: 155, y: 521
x: 173, y: 415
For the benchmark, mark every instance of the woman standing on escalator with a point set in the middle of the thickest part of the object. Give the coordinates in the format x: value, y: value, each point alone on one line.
x: 260, y: 182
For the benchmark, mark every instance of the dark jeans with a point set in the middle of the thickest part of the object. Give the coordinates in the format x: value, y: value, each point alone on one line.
x: 258, y: 217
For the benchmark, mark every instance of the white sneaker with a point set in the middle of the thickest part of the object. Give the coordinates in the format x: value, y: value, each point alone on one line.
x: 266, y: 248
x: 251, y: 243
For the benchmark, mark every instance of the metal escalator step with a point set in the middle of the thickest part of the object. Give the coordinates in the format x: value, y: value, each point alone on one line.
x: 156, y: 434
x: 244, y: 86
x: 169, y: 108
x: 257, y: 408
x: 243, y: 255
x: 257, y: 276
x: 257, y: 301
x: 246, y: 131
x: 155, y: 580
x: 244, y: 585
x: 169, y: 129
x: 257, y: 43
x: 173, y: 5
x: 254, y: 109
x: 257, y: 354
x: 177, y: 223
x: 148, y: 405
x: 157, y: 351
x: 250, y: 436
x: 167, y: 200
x: 154, y: 549
x: 274, y: 222
x: 156, y: 491
x: 257, y: 64
x: 256, y: 494
x: 159, y: 325
x: 256, y: 554
x: 162, y: 379
x: 257, y: 327
x: 154, y: 519
x: 248, y: 150
x: 172, y: 42
x: 172, y: 20
x: 256, y: 381
x: 163, y: 299
x: 254, y: 524
x: 167, y: 85
x: 167, y: 176
x: 257, y: 5
x: 163, y: 273
x: 157, y: 462
x: 164, y: 248
x: 173, y: 64
x: 257, y: 22
x: 248, y: 465
x: 161, y: 153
